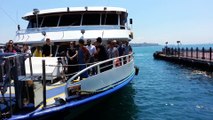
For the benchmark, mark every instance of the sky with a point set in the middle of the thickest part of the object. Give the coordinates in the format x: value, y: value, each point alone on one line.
x: 154, y: 21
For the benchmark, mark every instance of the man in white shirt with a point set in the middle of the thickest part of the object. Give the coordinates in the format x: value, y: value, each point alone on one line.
x: 91, y: 48
x: 92, y: 51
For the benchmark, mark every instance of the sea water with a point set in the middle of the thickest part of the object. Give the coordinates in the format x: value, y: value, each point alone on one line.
x: 161, y: 91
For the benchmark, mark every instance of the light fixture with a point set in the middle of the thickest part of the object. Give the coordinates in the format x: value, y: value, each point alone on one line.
x: 35, y: 11
x: 86, y: 8
x: 43, y: 33
x: 82, y: 31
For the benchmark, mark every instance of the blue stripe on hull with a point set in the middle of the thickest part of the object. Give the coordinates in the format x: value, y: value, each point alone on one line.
x: 72, y: 104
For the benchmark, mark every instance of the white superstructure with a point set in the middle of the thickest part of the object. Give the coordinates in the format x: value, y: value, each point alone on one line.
x: 72, y: 23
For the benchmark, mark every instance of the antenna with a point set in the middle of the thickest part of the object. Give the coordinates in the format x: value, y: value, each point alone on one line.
x: 8, y: 15
x: 36, y: 12
x: 105, y: 9
x: 17, y: 17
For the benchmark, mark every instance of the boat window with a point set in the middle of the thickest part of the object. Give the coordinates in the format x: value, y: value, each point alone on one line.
x: 50, y: 21
x: 123, y: 20
x: 70, y: 20
x: 109, y: 19
x: 91, y: 19
x: 32, y: 22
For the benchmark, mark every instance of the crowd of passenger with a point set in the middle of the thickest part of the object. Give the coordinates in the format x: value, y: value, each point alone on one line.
x: 38, y: 51
x: 78, y: 55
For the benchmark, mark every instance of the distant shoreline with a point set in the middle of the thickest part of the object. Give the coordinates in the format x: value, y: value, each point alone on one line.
x: 144, y: 44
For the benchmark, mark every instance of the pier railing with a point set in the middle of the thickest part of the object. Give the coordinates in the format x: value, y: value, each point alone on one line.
x: 193, y: 53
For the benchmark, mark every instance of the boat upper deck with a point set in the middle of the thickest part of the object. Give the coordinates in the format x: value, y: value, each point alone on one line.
x: 76, y: 9
x: 70, y: 24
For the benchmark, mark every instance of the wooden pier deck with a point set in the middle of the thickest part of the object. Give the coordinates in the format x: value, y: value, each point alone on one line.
x: 196, y: 58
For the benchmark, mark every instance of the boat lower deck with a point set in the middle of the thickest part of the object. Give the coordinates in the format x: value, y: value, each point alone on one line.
x: 53, y: 91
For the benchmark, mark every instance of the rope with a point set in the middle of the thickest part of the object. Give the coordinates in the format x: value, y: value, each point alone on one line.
x: 8, y: 15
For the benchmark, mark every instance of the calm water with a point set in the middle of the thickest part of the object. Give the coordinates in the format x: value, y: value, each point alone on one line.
x: 161, y: 91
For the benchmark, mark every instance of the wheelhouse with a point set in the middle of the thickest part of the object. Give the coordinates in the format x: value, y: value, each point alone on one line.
x: 78, y: 18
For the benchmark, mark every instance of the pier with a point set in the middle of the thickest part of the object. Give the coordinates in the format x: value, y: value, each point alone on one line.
x: 192, y: 57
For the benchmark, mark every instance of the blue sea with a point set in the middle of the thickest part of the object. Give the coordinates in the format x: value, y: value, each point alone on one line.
x: 161, y: 91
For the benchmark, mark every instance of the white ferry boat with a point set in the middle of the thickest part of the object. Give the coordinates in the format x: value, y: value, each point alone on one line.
x: 29, y: 86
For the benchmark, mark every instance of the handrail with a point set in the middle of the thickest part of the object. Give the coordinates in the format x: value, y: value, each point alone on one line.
x: 13, y: 55
x: 6, y: 57
x: 98, y: 65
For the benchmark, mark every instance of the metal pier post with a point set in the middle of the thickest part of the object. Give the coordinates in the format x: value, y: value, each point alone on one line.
x: 203, y: 53
x: 210, y: 53
x: 44, y: 83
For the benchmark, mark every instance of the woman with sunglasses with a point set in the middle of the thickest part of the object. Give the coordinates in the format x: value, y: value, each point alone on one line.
x: 10, y: 47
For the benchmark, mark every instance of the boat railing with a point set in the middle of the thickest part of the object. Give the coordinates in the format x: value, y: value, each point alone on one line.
x: 9, y: 60
x: 100, y: 67
x: 26, y: 87
x: 67, y: 28
x: 11, y: 67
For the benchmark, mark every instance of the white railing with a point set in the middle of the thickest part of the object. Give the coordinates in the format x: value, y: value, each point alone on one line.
x: 115, y: 62
x: 108, y: 73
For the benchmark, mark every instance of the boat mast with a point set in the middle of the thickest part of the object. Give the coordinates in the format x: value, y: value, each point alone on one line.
x: 36, y: 12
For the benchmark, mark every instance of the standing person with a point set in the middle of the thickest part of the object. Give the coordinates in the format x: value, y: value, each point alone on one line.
x: 72, y: 55
x: 47, y: 49
x: 127, y: 48
x: 37, y: 52
x: 91, y: 48
x: 120, y: 49
x: 112, y: 50
x: 17, y: 48
x: 101, y: 53
x: 83, y: 57
x: 92, y: 51
x: 26, y: 49
x: 10, y: 47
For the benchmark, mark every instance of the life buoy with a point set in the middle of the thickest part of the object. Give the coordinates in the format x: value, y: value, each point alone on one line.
x: 117, y: 62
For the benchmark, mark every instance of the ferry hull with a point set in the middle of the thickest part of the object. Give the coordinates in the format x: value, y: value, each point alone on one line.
x: 73, y: 109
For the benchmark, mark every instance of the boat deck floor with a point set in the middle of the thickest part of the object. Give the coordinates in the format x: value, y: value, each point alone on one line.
x: 52, y: 91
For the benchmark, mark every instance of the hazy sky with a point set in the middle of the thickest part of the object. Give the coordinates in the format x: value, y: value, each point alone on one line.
x: 155, y: 21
